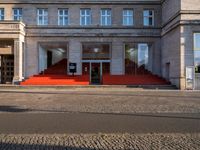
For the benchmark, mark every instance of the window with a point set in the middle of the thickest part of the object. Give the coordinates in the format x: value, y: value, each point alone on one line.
x: 85, y: 17
x: 137, y: 58
x: 42, y: 16
x: 63, y: 18
x: 1, y: 14
x: 197, y: 41
x: 17, y: 14
x: 106, y: 17
x: 197, y: 52
x: 127, y: 17
x: 148, y: 17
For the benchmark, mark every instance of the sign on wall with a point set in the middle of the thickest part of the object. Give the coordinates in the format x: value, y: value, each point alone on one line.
x: 72, y: 68
x: 190, y: 77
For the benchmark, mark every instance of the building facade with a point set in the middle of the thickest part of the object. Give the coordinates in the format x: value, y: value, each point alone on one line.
x: 129, y: 37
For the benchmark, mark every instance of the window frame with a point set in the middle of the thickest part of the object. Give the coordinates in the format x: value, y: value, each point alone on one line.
x: 85, y: 16
x: 149, y: 16
x: 106, y: 16
x: 18, y: 15
x: 128, y: 16
x: 63, y: 16
x: 43, y: 15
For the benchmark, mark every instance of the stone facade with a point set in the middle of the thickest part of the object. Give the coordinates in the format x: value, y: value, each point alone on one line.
x: 171, y: 36
x: 181, y: 20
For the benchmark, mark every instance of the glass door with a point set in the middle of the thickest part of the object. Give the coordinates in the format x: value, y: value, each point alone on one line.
x: 95, y: 73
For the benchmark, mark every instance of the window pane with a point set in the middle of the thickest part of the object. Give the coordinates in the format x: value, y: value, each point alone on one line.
x: 146, y: 13
x: 146, y: 21
x: 82, y: 20
x: 197, y: 41
x: 150, y: 21
x: 88, y: 12
x: 197, y: 61
x: 1, y: 14
x: 137, y: 58
x: 143, y: 55
x: 88, y: 20
x: 65, y: 20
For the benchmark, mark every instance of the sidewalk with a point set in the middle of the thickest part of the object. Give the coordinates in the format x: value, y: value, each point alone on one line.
x: 100, y: 100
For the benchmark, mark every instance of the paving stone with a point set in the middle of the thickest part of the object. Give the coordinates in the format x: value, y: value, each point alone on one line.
x: 101, y: 142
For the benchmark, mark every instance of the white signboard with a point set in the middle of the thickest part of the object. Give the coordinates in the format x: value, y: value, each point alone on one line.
x: 190, y: 77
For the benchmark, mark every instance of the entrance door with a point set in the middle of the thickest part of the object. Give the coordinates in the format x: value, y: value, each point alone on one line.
x: 95, y: 73
x: 197, y: 81
x: 7, y: 68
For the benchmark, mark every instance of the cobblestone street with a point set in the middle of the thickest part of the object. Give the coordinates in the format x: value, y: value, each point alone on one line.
x: 101, y: 142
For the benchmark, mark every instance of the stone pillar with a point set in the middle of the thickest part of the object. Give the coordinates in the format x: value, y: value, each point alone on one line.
x: 18, y: 62
x: 117, y: 59
x: 75, y: 55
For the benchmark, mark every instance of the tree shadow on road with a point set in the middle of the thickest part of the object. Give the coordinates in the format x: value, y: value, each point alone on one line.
x: 13, y: 109
x: 13, y: 146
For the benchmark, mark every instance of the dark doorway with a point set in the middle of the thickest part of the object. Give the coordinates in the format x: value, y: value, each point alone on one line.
x: 167, y: 72
x: 49, y: 58
x: 95, y: 73
x: 7, y: 68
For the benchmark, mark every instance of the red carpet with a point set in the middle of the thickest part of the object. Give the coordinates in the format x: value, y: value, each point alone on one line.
x: 57, y: 75
x: 57, y: 80
x: 133, y: 80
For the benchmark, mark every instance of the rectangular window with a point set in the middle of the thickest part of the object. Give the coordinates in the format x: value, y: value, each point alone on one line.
x: 197, y: 41
x: 148, y: 17
x: 1, y: 13
x: 137, y: 58
x: 17, y: 14
x: 63, y: 19
x: 85, y: 17
x: 197, y: 52
x: 127, y: 17
x: 106, y: 19
x: 42, y: 16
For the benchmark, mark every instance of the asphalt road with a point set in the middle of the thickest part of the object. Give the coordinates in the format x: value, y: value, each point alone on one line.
x: 76, y: 123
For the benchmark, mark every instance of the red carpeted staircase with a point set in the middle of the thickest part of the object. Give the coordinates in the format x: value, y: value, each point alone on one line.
x: 56, y: 75
x: 148, y: 79
x: 136, y: 76
x: 58, y: 68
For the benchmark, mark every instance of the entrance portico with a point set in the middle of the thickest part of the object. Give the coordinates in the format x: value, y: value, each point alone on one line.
x: 12, y: 51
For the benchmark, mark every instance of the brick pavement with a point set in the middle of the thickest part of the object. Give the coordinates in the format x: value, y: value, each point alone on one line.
x: 101, y: 142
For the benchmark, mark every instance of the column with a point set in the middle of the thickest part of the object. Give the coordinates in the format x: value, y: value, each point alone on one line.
x: 18, y: 62
x: 75, y: 55
x: 117, y: 60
